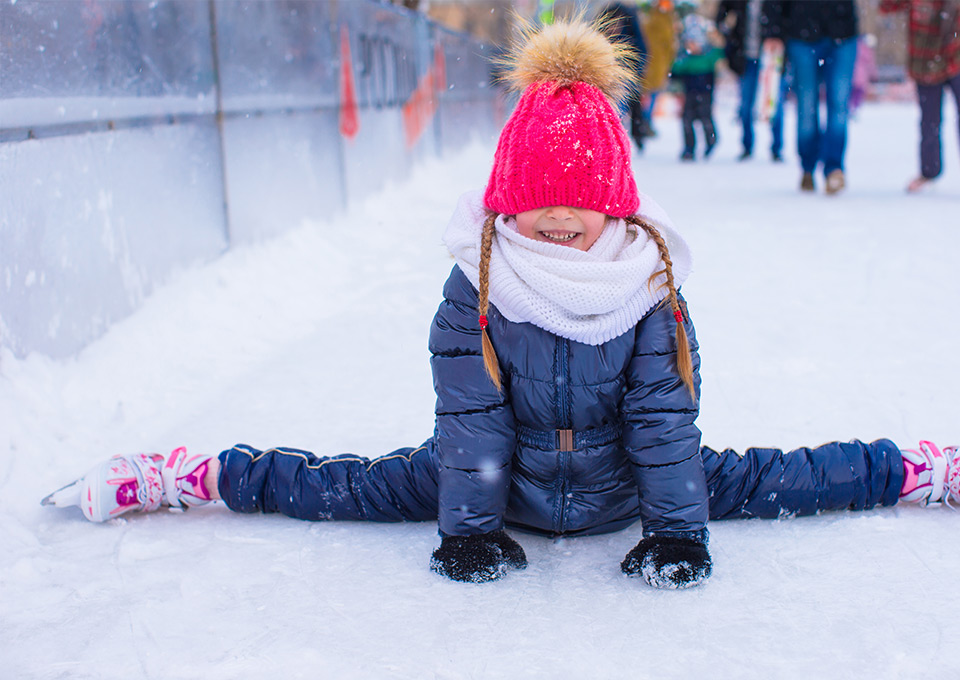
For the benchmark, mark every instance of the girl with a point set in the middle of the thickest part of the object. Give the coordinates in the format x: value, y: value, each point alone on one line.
x: 566, y: 370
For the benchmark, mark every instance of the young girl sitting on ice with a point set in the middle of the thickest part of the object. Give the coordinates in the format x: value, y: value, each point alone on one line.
x: 566, y: 370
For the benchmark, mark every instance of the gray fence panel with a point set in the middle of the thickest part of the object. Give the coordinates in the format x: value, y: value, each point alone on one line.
x: 275, y: 55
x: 471, y: 103
x: 92, y: 223
x: 281, y: 169
x: 278, y: 80
x: 66, y: 62
x: 109, y: 162
x: 132, y: 134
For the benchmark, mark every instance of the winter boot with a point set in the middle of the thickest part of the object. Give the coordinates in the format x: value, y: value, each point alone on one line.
x: 134, y: 483
x: 931, y: 475
x: 836, y: 181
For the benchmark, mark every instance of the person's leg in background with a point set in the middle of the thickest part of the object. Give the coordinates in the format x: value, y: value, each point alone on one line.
x: 688, y: 116
x: 838, y: 63
x: 648, y: 111
x: 776, y: 121
x: 638, y: 127
x: 705, y: 114
x: 930, y: 98
x: 805, y: 58
x: 748, y: 97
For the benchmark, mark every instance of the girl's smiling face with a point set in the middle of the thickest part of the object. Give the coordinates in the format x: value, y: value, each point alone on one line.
x: 575, y: 227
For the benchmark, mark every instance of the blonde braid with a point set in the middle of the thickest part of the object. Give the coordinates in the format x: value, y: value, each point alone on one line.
x: 684, y: 358
x: 490, y: 361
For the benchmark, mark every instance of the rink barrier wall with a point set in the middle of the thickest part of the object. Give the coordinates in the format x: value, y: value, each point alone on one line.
x: 142, y: 137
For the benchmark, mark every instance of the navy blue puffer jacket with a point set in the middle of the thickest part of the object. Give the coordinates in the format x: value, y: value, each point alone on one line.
x: 582, y: 439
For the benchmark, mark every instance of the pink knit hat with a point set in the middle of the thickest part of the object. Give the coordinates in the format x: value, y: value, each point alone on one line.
x: 564, y: 143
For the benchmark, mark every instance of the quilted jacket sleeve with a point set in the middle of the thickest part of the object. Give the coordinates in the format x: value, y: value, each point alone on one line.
x: 475, y: 434
x: 660, y: 436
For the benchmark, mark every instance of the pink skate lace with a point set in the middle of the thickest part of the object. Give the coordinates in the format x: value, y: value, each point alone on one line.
x: 953, y: 473
x: 931, y: 475
x: 183, y: 479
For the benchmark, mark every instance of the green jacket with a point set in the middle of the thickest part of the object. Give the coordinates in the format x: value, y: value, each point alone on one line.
x: 697, y: 64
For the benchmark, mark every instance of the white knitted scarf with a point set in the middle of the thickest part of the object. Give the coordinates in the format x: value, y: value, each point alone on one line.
x: 587, y: 296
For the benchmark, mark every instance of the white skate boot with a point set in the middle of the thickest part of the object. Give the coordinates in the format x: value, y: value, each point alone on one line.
x: 931, y: 475
x: 137, y: 483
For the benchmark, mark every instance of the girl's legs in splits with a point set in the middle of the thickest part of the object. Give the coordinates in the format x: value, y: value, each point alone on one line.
x: 765, y: 483
x: 400, y: 486
x: 769, y: 483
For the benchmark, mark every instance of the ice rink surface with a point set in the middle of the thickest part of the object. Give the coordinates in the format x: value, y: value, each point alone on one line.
x: 819, y: 318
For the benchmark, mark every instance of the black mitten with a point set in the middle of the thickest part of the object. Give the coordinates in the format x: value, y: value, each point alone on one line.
x: 666, y: 561
x: 475, y: 559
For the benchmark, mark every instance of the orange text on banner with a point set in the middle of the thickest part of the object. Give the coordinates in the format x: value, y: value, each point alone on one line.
x: 349, y: 110
x: 422, y: 105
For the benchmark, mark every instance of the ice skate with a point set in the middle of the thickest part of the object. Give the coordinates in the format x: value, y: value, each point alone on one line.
x: 918, y: 184
x: 931, y: 475
x: 136, y: 483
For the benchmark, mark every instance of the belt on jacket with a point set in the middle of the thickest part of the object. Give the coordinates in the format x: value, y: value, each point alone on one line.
x: 567, y: 440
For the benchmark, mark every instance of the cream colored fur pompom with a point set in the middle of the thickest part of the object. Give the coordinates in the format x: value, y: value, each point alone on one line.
x: 570, y: 51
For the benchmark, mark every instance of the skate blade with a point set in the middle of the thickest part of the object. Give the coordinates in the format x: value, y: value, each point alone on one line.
x: 65, y: 496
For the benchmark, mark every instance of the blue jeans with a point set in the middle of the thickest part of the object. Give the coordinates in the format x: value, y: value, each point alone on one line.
x: 776, y: 122
x: 651, y: 102
x: 826, y: 144
x: 748, y: 98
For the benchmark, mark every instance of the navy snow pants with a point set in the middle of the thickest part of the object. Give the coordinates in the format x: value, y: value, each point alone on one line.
x: 402, y: 486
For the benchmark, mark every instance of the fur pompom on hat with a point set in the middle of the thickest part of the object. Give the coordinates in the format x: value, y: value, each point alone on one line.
x: 564, y: 143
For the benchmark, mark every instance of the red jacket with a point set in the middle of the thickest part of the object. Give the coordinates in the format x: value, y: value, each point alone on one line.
x: 934, y: 32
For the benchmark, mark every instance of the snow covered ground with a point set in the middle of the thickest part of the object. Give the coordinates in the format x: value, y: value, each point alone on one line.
x: 819, y: 317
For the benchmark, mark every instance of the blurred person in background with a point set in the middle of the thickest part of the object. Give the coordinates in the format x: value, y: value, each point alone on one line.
x: 821, y: 44
x: 659, y: 25
x: 749, y: 28
x: 934, y: 64
x: 695, y: 68
x: 621, y: 24
x: 864, y: 71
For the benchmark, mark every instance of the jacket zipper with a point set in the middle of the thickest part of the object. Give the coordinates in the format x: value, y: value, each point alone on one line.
x: 564, y: 420
x: 563, y: 383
